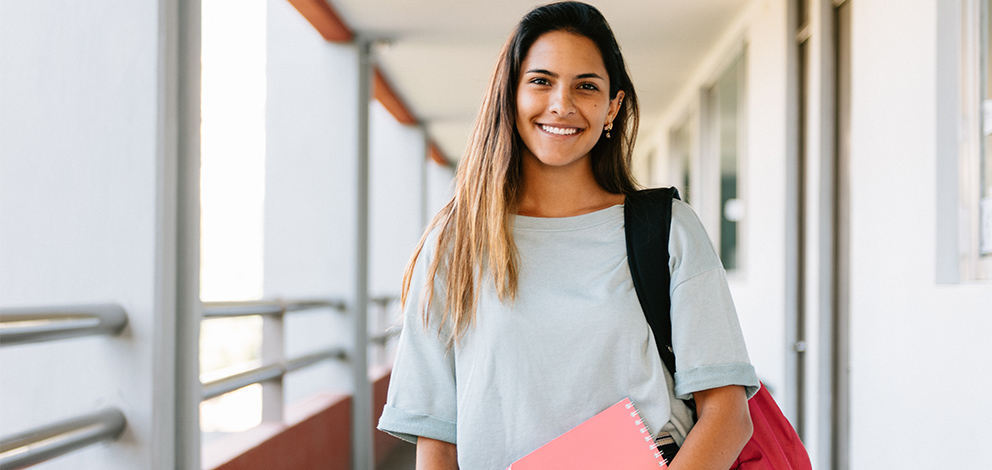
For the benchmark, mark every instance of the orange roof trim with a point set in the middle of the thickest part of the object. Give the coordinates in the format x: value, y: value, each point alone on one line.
x: 332, y: 28
x: 322, y: 16
x: 390, y: 100
x: 435, y: 154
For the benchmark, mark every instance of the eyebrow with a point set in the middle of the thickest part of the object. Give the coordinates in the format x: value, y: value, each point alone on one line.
x: 555, y: 75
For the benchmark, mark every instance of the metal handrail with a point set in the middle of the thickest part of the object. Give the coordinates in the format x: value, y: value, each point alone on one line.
x: 41, y: 444
x: 218, y: 387
x: 39, y: 324
x: 311, y: 359
x: 384, y: 337
x: 265, y: 307
x: 383, y: 300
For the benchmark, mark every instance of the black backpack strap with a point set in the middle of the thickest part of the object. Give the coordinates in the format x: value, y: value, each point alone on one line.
x: 647, y: 223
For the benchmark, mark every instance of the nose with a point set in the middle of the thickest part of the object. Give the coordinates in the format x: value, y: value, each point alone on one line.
x: 561, y: 102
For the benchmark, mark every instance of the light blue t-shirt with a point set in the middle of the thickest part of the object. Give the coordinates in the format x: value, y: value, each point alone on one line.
x: 572, y: 343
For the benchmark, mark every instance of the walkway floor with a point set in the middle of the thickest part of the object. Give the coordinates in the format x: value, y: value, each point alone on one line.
x: 403, y: 458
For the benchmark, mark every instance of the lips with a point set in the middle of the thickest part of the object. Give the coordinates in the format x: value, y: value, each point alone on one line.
x: 559, y: 130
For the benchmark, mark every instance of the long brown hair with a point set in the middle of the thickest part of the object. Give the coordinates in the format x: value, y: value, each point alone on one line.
x: 474, y: 230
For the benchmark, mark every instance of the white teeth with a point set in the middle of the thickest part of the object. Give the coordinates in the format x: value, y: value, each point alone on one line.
x: 559, y: 130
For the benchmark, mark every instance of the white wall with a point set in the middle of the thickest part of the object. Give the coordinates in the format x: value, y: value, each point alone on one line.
x: 310, y: 188
x: 919, y: 350
x: 398, y: 154
x: 440, y: 187
x: 82, y: 218
x: 918, y: 342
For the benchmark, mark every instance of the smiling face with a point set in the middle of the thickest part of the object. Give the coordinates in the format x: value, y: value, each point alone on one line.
x: 563, y: 99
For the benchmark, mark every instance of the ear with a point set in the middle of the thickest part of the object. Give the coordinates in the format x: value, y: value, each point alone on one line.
x: 615, y: 106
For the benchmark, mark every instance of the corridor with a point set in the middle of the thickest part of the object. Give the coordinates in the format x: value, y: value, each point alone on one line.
x: 207, y: 208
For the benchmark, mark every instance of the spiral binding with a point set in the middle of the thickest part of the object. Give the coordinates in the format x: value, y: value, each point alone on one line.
x: 648, y: 438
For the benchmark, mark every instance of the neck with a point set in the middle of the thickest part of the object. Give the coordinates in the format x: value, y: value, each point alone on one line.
x: 550, y: 191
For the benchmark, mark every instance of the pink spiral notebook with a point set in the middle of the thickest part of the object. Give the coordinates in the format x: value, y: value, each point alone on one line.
x: 613, y: 439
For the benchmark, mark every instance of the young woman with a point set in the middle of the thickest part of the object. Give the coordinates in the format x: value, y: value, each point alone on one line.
x: 520, y: 316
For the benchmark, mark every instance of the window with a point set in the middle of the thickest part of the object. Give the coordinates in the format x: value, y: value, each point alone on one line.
x: 975, y: 171
x: 722, y: 153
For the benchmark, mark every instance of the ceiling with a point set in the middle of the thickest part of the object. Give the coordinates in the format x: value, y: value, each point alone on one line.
x: 439, y: 53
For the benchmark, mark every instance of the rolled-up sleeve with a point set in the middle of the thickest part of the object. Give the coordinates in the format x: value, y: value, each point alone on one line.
x: 706, y: 333
x: 421, y: 401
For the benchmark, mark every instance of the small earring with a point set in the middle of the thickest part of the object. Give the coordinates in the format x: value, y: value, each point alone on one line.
x: 608, y: 128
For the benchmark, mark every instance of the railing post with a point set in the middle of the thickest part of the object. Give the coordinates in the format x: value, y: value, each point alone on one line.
x: 361, y: 410
x: 375, y: 323
x: 273, y: 353
x: 178, y: 410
